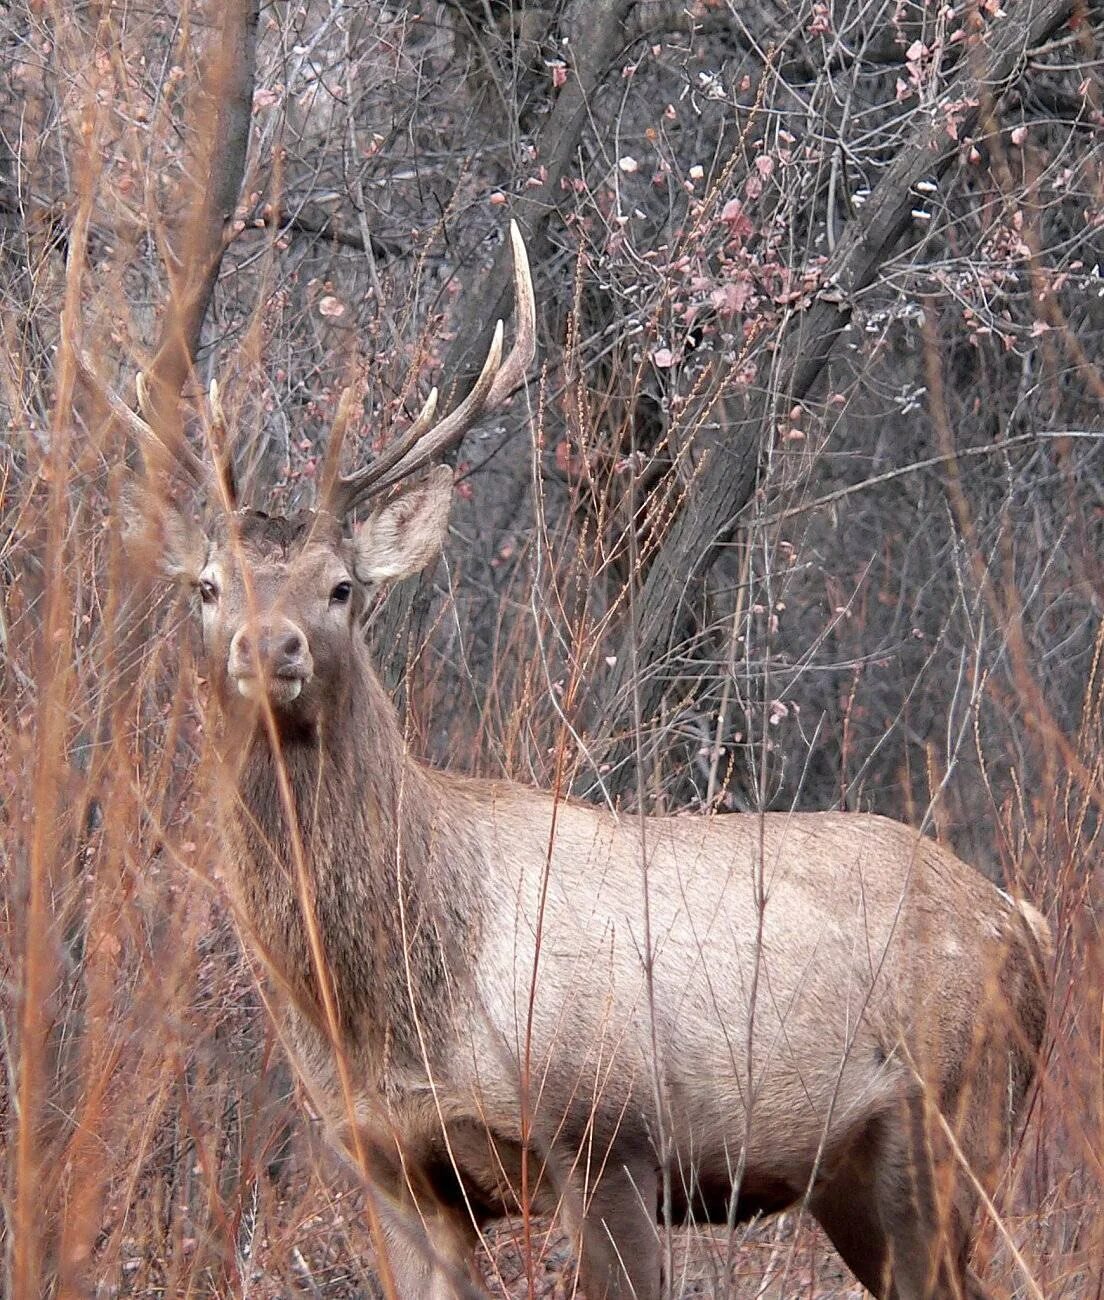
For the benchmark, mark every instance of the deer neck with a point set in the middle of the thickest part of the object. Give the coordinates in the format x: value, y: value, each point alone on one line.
x: 369, y: 847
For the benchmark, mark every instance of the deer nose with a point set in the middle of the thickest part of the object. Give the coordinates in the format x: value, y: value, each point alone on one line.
x: 274, y: 649
x: 274, y: 645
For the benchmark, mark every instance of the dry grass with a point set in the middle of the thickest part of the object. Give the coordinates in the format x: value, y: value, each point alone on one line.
x: 151, y: 1146
x: 152, y: 1143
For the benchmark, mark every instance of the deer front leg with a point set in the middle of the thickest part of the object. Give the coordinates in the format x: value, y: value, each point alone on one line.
x: 427, y: 1237
x: 429, y: 1251
x: 615, y: 1223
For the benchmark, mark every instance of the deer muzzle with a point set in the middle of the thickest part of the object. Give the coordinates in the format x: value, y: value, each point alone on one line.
x: 270, y: 659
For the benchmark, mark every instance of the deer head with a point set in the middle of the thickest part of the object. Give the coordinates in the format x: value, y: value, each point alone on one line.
x: 280, y: 594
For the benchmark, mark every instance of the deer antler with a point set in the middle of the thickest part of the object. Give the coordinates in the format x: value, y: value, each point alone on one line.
x: 159, y: 453
x: 156, y: 451
x: 215, y: 477
x: 225, y: 479
x: 424, y: 440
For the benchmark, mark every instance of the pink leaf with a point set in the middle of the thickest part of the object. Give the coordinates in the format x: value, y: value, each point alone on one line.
x: 733, y: 296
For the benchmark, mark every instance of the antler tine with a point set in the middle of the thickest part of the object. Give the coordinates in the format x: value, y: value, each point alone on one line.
x: 516, y: 366
x: 147, y: 436
x: 225, y: 479
x: 497, y: 380
x: 155, y: 450
x: 330, y: 480
x: 447, y: 432
x: 218, y: 415
x: 341, y: 493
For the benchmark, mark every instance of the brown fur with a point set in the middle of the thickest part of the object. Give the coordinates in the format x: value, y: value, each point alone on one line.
x: 820, y: 987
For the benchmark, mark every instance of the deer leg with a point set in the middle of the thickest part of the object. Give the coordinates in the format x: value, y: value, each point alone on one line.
x: 854, y: 1230
x: 429, y: 1251
x: 897, y: 1215
x: 846, y: 1208
x: 428, y: 1238
x: 616, y: 1230
x: 930, y: 1237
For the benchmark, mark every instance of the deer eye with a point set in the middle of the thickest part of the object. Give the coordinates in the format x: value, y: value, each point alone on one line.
x: 341, y: 593
x: 208, y: 591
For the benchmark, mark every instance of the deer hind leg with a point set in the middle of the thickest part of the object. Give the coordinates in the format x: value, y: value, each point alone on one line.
x: 850, y: 1218
x: 899, y: 1211
x: 614, y: 1223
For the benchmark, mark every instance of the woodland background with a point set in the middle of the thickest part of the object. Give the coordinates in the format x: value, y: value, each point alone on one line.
x: 803, y: 508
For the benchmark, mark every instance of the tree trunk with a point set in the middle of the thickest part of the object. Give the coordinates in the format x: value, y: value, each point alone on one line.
x: 603, y: 21
x: 220, y: 141
x: 723, y: 485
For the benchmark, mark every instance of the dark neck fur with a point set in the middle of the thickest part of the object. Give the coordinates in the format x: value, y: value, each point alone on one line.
x: 374, y: 830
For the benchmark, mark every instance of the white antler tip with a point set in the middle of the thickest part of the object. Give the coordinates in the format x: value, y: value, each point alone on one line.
x: 145, y: 401
x: 526, y: 307
x: 214, y: 395
x: 494, y: 356
x: 516, y: 241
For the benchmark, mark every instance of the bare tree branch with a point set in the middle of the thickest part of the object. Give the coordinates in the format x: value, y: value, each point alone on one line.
x: 603, y: 22
x: 221, y: 140
x: 725, y: 481
x: 326, y: 228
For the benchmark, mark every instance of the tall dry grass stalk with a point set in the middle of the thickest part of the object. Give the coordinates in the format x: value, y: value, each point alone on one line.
x: 151, y: 1140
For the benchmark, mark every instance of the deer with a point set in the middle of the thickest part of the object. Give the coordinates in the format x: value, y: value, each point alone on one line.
x: 502, y: 1000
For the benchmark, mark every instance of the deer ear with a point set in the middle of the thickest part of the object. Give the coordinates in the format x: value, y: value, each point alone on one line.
x: 403, y: 536
x: 158, y: 534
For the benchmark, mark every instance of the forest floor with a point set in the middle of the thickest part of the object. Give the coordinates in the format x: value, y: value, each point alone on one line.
x: 776, y: 1259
